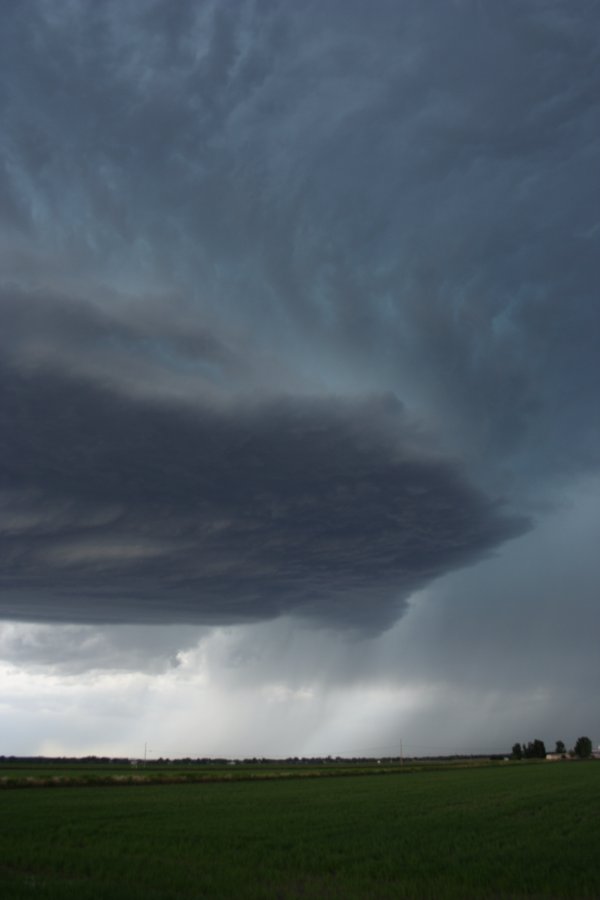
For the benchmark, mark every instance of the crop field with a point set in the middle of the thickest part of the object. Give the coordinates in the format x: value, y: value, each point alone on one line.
x: 55, y: 774
x: 507, y: 831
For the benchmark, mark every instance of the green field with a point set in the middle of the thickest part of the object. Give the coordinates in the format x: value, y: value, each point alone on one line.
x: 55, y: 774
x: 495, y: 832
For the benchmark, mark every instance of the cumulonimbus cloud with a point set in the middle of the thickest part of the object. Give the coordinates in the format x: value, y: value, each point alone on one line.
x: 120, y: 509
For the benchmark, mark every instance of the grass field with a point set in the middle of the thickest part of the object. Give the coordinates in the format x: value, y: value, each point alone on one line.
x: 498, y: 832
x: 54, y: 774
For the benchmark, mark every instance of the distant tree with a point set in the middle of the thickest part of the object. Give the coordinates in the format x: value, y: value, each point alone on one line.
x: 583, y: 747
x: 560, y: 747
x: 517, y: 752
x: 534, y: 750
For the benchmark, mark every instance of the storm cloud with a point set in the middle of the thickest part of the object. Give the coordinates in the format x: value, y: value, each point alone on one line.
x: 321, y: 198
x: 116, y: 509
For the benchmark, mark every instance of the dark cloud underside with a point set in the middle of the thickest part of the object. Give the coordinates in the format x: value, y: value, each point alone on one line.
x: 226, y: 230
x: 117, y: 509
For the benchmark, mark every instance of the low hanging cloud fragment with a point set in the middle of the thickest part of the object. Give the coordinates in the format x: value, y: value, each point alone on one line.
x: 116, y: 509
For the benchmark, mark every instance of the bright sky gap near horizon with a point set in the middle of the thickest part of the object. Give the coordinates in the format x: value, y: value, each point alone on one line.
x: 299, y: 376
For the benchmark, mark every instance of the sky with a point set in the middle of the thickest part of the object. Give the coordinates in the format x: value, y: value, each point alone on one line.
x: 299, y: 376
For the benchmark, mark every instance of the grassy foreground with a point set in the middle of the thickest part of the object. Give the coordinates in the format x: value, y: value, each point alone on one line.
x: 504, y: 832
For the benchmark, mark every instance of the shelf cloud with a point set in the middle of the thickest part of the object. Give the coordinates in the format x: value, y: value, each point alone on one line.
x: 121, y: 509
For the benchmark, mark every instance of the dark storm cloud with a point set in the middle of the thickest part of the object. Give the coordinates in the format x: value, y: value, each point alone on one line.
x: 119, y: 510
x: 202, y: 201
x: 398, y: 197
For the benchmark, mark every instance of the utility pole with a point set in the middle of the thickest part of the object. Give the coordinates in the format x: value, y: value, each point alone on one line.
x: 401, y: 754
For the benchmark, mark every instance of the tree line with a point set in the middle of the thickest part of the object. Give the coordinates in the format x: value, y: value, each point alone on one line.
x: 537, y: 749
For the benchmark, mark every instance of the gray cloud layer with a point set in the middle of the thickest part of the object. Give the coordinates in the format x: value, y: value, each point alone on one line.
x: 117, y: 509
x: 395, y: 198
x: 226, y: 228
